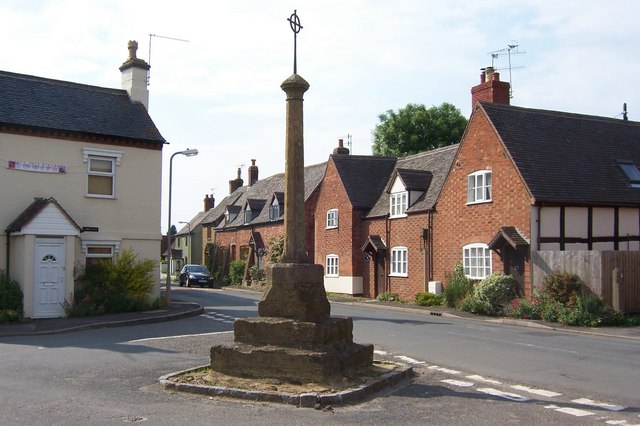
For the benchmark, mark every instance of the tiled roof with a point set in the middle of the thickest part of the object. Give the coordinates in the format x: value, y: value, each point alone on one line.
x: 217, y: 213
x: 417, y: 168
x: 569, y: 158
x: 363, y: 177
x: 511, y: 236
x: 193, y: 223
x: 53, y: 105
x: 264, y: 189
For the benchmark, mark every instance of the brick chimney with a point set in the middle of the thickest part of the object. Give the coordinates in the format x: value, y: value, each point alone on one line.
x: 253, y: 173
x: 341, y: 150
x: 236, y: 183
x: 490, y: 89
x: 209, y: 202
x: 134, y: 76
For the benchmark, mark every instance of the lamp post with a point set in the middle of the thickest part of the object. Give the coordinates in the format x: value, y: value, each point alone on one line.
x: 188, y: 239
x: 189, y: 153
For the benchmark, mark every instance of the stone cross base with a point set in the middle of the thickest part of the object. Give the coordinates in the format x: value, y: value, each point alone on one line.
x: 296, y: 291
x: 323, y: 364
x: 294, y: 338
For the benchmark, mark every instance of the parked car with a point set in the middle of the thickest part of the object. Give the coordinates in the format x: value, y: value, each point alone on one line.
x: 195, y: 274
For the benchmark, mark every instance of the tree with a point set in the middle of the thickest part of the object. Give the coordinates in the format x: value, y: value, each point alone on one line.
x: 415, y: 129
x: 174, y: 230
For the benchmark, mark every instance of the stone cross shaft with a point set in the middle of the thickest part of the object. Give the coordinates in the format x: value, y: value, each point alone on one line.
x: 295, y: 247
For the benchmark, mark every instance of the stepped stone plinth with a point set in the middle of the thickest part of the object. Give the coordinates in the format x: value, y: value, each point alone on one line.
x: 294, y: 338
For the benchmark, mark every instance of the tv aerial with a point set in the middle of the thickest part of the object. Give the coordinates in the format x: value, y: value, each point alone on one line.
x: 511, y: 49
x: 159, y: 36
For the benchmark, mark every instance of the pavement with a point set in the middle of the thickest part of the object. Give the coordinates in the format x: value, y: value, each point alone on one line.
x: 177, y: 310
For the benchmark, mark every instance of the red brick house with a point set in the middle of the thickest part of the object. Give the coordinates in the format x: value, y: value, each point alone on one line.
x: 398, y: 228
x: 254, y: 214
x: 526, y: 180
x: 349, y: 189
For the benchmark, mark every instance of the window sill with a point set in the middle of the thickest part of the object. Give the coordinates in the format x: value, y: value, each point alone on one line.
x: 331, y: 227
x: 399, y: 275
x: 400, y: 216
x: 332, y: 276
x: 104, y: 197
x: 479, y: 202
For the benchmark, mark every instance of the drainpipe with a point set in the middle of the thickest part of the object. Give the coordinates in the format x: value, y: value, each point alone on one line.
x: 7, y: 265
x: 387, y: 279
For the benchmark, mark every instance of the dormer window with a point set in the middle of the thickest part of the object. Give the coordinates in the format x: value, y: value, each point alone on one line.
x: 274, y: 210
x: 479, y: 187
x: 332, y: 218
x: 631, y: 171
x: 247, y: 215
x: 398, y: 203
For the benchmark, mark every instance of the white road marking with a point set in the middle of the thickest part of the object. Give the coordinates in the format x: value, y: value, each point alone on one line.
x: 592, y: 403
x: 377, y: 352
x: 443, y: 370
x: 484, y: 379
x: 409, y: 360
x: 567, y: 410
x: 458, y: 383
x: 178, y: 337
x: 501, y: 394
x: 541, y: 392
x: 547, y: 348
x: 616, y: 422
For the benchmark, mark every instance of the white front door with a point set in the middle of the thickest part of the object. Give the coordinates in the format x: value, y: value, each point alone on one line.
x: 48, y: 292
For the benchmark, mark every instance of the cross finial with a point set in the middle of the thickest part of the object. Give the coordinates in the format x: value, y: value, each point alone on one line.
x: 294, y: 23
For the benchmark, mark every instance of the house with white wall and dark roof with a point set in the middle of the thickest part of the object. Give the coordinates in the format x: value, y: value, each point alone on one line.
x: 75, y: 160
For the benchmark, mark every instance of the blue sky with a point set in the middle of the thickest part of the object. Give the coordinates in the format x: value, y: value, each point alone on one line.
x: 220, y: 91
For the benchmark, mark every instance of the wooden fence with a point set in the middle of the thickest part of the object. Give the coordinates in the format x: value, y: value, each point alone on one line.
x: 596, y: 269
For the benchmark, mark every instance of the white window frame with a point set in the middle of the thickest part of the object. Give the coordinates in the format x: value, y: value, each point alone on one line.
x: 399, y: 262
x: 89, y: 154
x: 332, y: 265
x: 332, y: 218
x: 476, y: 261
x: 88, y: 245
x: 479, y: 187
x: 398, y: 204
x: 248, y: 217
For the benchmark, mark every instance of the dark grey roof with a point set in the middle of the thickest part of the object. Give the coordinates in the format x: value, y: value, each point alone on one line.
x: 193, y: 224
x: 569, y: 158
x: 510, y: 235
x: 214, y: 215
x: 265, y: 189
x: 415, y: 180
x: 363, y: 177
x: 418, y: 168
x: 41, y: 103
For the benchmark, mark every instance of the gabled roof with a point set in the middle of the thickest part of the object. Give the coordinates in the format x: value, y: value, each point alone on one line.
x: 213, y: 216
x: 193, y: 224
x: 509, y: 235
x: 569, y: 158
x: 417, y: 169
x: 363, y: 177
x: 33, y: 210
x: 414, y: 180
x: 30, y: 102
x: 255, y: 205
x: 265, y: 188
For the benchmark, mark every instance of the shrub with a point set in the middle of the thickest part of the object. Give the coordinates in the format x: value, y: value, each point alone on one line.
x: 276, y: 249
x: 475, y: 306
x: 10, y: 299
x: 388, y: 296
x: 561, y: 286
x: 236, y: 271
x: 121, y: 286
x: 429, y: 299
x: 256, y: 274
x: 497, y: 290
x: 457, y: 287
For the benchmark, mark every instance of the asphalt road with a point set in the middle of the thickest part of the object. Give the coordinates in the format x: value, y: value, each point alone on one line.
x: 466, y: 373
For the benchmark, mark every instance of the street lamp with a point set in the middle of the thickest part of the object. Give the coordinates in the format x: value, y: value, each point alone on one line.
x: 188, y: 239
x: 189, y: 153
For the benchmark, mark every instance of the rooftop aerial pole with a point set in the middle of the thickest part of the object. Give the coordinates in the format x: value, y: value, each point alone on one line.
x: 159, y: 36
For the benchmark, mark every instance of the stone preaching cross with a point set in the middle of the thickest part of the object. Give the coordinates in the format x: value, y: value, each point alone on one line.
x: 294, y: 336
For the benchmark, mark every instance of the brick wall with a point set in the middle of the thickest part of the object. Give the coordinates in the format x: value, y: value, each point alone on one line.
x: 340, y: 240
x: 457, y: 224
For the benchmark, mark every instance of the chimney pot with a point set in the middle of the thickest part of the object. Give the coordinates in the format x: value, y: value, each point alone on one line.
x: 253, y: 172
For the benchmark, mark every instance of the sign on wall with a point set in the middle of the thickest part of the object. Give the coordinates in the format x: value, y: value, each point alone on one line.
x: 35, y: 167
